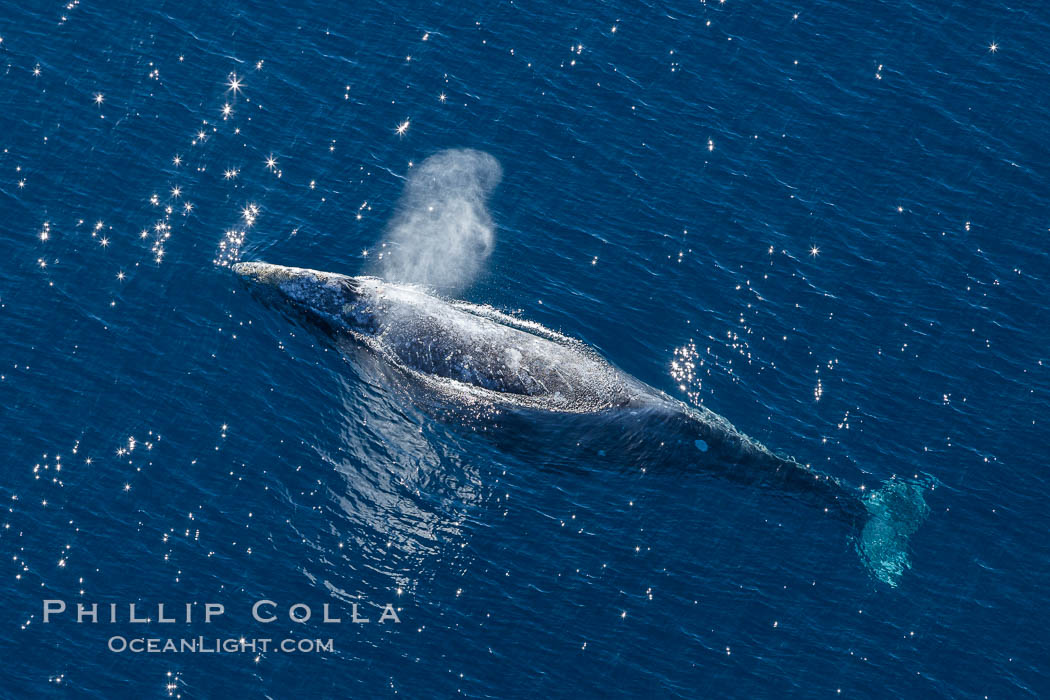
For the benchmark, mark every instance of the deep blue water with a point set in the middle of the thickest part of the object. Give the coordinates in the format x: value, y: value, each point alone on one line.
x: 837, y: 220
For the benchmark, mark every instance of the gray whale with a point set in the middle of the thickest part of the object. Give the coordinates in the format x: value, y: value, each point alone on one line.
x: 476, y: 351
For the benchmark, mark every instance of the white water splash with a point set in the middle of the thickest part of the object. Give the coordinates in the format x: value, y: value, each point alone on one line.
x: 442, y: 232
x: 229, y: 252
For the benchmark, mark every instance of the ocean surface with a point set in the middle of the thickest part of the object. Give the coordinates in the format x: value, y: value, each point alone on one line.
x: 825, y: 221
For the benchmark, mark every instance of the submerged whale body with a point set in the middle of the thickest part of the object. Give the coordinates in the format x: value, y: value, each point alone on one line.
x: 469, y: 350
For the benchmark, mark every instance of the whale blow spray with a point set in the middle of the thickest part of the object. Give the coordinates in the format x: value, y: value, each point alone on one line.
x: 442, y: 232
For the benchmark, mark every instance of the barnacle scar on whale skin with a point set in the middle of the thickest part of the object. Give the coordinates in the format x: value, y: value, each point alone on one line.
x: 477, y: 351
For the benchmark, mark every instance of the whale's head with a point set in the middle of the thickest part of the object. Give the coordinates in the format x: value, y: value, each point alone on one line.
x: 325, y: 295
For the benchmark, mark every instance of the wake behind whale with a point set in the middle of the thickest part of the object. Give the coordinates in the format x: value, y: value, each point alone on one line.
x: 461, y: 350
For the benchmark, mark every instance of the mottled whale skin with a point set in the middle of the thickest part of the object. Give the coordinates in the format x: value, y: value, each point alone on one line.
x: 505, y: 360
x: 469, y: 344
x: 510, y: 360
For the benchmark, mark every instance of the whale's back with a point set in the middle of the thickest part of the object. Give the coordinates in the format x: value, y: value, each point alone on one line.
x: 483, y: 348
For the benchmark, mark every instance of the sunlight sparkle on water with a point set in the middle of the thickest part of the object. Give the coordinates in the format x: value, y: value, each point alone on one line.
x: 233, y: 83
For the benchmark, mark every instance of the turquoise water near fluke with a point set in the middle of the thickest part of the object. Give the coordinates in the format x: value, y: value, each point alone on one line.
x: 895, y: 512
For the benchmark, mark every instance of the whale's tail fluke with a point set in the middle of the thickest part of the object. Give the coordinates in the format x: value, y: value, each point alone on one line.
x: 882, y: 520
x: 895, y: 512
